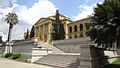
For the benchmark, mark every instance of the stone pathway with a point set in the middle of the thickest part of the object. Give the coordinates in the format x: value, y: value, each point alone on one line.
x: 7, y: 63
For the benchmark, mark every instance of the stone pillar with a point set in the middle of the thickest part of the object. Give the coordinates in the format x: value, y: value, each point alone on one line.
x: 38, y: 53
x: 6, y: 50
x: 10, y: 48
x: 88, y: 57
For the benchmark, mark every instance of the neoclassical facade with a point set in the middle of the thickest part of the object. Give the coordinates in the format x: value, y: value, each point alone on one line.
x: 73, y: 29
x: 78, y: 28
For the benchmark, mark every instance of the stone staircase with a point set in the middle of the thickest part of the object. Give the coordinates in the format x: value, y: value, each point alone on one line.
x: 49, y: 47
x: 43, y: 49
x: 60, y: 60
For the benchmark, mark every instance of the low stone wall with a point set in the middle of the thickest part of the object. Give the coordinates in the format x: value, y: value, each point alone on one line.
x: 38, y: 53
x: 2, y: 50
x: 24, y: 47
x: 72, y: 45
x: 82, y: 40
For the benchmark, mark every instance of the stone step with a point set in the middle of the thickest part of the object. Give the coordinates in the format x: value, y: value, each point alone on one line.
x: 59, y: 60
x: 50, y: 47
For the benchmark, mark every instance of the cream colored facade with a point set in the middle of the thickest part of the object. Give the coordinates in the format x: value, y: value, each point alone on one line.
x: 78, y: 28
x: 73, y: 29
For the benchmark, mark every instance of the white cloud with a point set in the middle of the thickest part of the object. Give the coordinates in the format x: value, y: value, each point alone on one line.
x: 3, y: 3
x: 4, y: 37
x: 43, y: 8
x: 27, y: 16
x: 87, y: 11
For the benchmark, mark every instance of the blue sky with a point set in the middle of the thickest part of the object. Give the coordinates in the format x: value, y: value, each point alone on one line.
x: 66, y: 7
x: 30, y: 11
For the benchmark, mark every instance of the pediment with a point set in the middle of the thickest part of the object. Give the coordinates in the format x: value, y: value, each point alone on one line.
x: 41, y: 20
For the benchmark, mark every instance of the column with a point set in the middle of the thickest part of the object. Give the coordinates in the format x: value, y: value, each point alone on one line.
x: 49, y: 30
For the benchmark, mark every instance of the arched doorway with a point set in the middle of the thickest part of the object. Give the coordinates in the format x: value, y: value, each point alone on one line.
x: 75, y: 28
x: 70, y: 29
x: 81, y: 27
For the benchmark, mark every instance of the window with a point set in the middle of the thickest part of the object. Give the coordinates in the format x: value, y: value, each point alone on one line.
x: 70, y: 29
x: 81, y: 27
x: 75, y: 28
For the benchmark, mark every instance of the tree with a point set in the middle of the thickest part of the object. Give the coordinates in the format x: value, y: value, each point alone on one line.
x: 107, y: 24
x: 1, y: 39
x: 58, y: 32
x: 32, y: 33
x: 12, y: 19
x: 27, y: 35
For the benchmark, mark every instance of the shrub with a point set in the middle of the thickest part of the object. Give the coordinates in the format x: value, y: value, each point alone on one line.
x: 16, y: 55
x: 8, y: 55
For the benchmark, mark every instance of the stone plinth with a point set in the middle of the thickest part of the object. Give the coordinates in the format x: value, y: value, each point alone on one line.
x: 38, y: 53
x: 88, y: 57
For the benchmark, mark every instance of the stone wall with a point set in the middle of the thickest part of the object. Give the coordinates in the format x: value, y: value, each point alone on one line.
x: 2, y: 50
x: 24, y: 47
x: 72, y: 45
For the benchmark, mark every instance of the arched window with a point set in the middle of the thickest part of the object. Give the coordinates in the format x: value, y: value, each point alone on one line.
x: 75, y: 28
x: 75, y: 36
x: 70, y: 29
x: 81, y: 27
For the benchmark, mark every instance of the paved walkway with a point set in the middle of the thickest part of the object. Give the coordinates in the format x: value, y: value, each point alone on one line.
x: 7, y: 63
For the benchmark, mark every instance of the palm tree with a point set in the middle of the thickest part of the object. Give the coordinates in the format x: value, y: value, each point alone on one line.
x: 107, y: 24
x: 11, y: 19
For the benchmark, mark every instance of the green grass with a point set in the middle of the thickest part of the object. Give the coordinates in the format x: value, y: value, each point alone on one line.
x: 22, y: 58
x: 116, y: 62
x: 2, y: 56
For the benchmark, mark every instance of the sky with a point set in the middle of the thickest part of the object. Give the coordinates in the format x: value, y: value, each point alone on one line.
x: 30, y: 11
